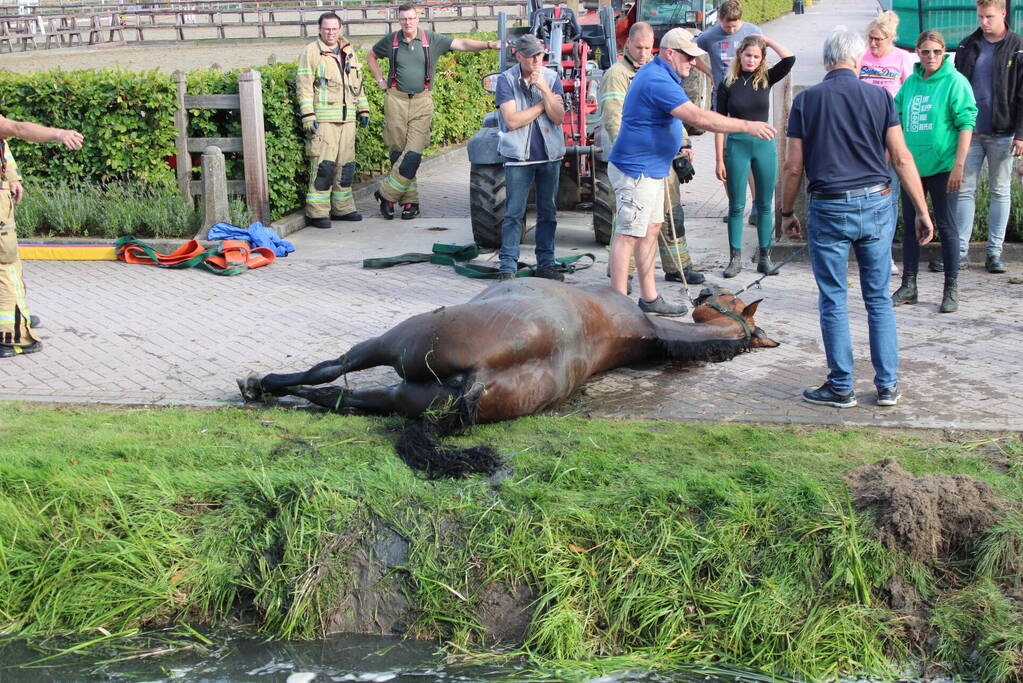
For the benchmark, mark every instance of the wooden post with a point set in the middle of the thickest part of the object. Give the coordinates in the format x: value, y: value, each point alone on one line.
x: 257, y: 186
x: 783, y: 94
x: 184, y: 159
x: 214, y: 191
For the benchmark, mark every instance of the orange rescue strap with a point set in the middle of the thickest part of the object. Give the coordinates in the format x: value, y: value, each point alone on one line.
x: 231, y: 257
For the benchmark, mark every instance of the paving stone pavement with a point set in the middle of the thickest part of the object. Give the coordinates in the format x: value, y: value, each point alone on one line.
x: 122, y: 334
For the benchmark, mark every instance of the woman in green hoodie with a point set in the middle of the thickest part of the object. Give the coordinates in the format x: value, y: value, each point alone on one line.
x: 938, y: 112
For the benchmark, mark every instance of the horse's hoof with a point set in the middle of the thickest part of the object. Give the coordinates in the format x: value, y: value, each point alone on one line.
x: 250, y: 389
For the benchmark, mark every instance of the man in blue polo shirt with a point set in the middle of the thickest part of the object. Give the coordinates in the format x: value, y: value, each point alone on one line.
x: 840, y: 129
x: 649, y: 138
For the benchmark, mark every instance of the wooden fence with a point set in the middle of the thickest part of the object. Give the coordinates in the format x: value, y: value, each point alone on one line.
x: 251, y: 145
x: 223, y: 19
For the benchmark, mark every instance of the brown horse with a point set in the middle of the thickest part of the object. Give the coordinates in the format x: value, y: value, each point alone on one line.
x: 517, y: 348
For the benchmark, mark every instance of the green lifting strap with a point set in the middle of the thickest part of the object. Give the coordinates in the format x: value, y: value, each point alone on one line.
x: 458, y: 256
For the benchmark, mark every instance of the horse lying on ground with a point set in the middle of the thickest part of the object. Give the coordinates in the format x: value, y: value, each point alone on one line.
x: 517, y: 348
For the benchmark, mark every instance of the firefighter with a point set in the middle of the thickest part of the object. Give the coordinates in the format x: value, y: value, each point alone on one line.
x: 330, y: 99
x: 637, y: 51
x: 408, y: 102
x: 16, y: 336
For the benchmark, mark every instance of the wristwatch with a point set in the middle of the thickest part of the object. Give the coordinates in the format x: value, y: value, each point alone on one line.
x: 787, y: 214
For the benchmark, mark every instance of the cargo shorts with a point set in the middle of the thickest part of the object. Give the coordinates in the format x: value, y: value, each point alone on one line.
x: 639, y: 202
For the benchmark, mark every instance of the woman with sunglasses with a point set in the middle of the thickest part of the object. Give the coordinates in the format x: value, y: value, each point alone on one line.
x: 938, y: 112
x: 886, y: 66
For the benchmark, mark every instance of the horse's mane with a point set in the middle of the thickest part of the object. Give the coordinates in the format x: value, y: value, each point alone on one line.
x: 702, y: 350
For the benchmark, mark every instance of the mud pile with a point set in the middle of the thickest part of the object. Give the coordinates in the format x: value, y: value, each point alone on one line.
x: 929, y: 518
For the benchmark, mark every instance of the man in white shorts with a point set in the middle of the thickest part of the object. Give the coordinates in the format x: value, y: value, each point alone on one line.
x: 650, y: 136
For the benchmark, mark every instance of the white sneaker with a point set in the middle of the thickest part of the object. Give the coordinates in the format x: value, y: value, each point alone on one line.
x: 895, y: 268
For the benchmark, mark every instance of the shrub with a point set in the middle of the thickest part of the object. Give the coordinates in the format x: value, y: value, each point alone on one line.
x: 127, y: 119
x: 759, y: 11
x: 128, y: 122
x: 105, y: 210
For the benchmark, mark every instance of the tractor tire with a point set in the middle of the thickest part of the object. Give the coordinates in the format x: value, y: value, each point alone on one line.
x: 603, y: 204
x: 486, y: 203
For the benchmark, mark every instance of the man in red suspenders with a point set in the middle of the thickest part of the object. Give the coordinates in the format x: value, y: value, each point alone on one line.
x: 408, y: 103
x: 16, y: 335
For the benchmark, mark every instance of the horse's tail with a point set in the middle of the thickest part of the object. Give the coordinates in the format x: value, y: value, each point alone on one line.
x: 420, y: 445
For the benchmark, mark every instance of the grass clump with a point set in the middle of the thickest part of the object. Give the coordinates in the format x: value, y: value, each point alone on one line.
x: 636, y: 544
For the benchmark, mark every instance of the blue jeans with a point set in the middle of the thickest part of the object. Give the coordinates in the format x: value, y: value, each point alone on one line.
x: 517, y: 180
x: 866, y: 225
x: 998, y: 150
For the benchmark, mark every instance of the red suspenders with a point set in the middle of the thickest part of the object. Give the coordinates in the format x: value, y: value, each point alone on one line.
x: 393, y: 76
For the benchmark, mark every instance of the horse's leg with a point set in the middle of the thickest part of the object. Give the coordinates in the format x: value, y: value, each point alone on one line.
x: 410, y: 399
x: 367, y: 354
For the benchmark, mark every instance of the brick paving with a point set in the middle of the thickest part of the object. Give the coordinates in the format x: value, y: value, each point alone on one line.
x: 124, y: 334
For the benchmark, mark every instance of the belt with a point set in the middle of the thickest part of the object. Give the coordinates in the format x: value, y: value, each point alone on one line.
x: 851, y: 194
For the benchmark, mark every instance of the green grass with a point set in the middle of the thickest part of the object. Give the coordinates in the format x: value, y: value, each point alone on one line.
x: 112, y: 210
x: 645, y: 543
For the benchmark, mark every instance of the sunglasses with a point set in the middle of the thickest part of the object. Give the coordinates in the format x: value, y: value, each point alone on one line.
x: 928, y: 53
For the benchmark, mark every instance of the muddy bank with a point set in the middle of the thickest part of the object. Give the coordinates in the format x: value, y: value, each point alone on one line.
x: 661, y: 543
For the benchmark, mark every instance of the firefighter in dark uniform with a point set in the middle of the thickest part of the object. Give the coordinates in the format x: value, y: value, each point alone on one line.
x: 408, y: 102
x: 330, y: 100
x: 16, y: 336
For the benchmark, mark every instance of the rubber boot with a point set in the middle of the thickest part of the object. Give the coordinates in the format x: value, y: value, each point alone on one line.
x: 734, y: 264
x: 764, y: 264
x: 950, y: 298
x: 906, y: 294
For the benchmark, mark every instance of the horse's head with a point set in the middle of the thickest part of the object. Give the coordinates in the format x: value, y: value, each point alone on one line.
x: 715, y: 306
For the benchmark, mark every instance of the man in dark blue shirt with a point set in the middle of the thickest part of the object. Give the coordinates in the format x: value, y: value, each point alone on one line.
x: 839, y: 130
x: 650, y: 137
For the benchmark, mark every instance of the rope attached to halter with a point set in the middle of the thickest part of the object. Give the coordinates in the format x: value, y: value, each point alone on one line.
x: 756, y: 283
x: 674, y: 254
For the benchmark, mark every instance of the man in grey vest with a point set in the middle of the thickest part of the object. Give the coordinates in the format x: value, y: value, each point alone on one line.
x: 531, y: 109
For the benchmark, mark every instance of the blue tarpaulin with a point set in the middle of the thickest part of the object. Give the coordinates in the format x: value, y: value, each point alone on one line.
x: 257, y: 234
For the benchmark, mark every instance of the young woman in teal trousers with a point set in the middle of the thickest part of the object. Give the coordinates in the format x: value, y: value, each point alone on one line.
x: 745, y: 93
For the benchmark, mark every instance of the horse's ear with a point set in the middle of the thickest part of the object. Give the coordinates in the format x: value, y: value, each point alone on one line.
x: 759, y: 340
x: 747, y: 313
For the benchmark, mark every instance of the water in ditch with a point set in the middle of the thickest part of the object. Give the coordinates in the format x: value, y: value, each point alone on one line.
x: 247, y: 658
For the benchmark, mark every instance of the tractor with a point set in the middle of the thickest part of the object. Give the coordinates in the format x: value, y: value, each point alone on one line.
x: 587, y: 45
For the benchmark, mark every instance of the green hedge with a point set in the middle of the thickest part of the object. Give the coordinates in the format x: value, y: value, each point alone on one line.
x: 128, y: 122
x: 759, y: 11
x: 127, y: 119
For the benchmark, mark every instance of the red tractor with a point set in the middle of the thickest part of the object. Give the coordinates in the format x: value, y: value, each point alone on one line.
x: 579, y: 49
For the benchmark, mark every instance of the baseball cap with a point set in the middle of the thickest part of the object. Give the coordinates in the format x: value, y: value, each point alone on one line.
x: 681, y: 40
x: 528, y: 45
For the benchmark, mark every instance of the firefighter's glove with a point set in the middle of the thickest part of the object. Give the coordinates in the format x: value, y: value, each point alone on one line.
x: 363, y: 119
x: 683, y: 169
x: 309, y: 125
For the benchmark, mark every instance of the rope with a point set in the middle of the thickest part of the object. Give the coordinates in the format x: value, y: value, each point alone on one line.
x: 674, y: 254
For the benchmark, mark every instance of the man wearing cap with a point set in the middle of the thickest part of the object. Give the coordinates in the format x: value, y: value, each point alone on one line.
x: 650, y: 136
x: 408, y: 103
x: 530, y: 112
x: 637, y: 51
